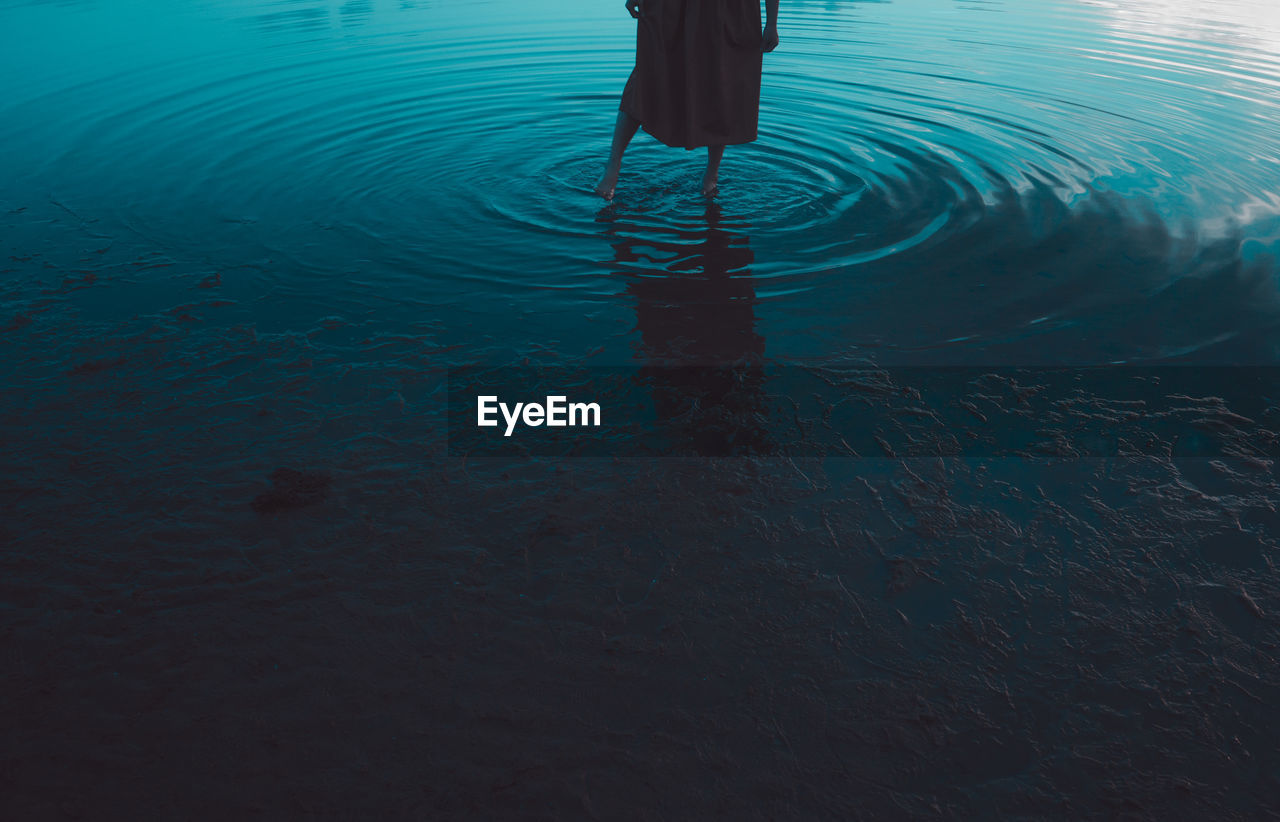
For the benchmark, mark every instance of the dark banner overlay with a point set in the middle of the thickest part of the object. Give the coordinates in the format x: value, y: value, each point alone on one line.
x: 791, y: 410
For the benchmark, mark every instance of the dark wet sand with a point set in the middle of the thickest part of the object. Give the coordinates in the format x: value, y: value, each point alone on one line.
x: 242, y: 579
x: 648, y: 640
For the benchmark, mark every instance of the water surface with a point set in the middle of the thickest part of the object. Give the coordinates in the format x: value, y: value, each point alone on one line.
x: 978, y: 181
x: 242, y: 242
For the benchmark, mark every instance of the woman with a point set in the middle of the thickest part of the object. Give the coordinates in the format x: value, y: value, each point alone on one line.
x: 696, y: 81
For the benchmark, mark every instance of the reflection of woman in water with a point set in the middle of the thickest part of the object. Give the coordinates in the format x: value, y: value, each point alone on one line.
x: 696, y: 81
x: 702, y: 353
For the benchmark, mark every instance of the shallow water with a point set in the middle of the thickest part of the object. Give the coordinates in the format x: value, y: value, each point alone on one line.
x: 242, y: 244
x: 922, y: 186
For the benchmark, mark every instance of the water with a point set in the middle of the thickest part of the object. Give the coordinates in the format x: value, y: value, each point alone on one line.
x: 924, y: 180
x: 241, y: 236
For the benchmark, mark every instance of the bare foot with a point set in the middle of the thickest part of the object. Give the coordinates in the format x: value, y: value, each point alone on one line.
x: 608, y: 183
x: 710, y: 187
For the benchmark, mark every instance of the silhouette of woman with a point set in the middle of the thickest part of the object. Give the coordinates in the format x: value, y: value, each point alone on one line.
x: 696, y: 81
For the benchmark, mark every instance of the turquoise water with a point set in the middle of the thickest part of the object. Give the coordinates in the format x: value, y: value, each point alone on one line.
x: 976, y: 182
x: 245, y: 573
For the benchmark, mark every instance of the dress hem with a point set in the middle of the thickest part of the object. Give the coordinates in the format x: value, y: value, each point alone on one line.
x: 739, y: 141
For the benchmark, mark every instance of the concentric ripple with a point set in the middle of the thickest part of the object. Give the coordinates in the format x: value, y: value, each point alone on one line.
x: 442, y: 154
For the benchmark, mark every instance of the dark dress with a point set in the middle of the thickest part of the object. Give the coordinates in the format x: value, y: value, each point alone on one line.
x: 697, y: 75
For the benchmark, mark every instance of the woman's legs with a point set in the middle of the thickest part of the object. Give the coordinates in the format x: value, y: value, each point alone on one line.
x: 623, y: 130
x: 709, y: 180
